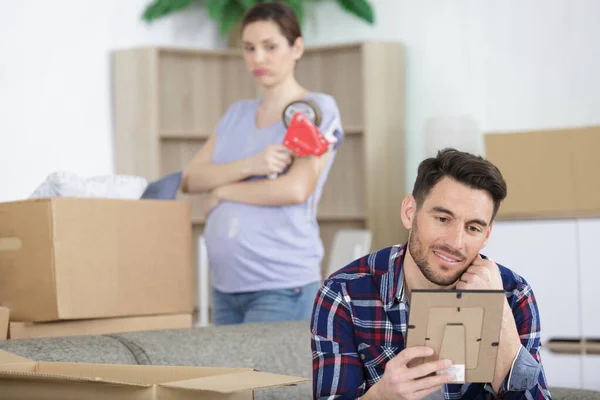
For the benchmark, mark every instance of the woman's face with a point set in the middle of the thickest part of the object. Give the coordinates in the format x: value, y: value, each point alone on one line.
x: 267, y: 53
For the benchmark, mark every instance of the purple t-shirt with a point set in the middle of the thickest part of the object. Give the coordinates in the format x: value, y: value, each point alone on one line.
x: 253, y: 248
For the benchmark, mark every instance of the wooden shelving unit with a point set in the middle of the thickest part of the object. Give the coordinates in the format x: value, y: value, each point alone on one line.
x: 168, y: 100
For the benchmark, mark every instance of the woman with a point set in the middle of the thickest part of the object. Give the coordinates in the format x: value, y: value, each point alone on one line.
x: 262, y: 236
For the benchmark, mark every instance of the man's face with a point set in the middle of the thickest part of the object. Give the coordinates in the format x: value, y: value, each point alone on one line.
x: 448, y: 231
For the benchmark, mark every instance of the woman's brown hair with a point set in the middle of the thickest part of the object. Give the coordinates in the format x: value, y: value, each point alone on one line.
x: 279, y: 13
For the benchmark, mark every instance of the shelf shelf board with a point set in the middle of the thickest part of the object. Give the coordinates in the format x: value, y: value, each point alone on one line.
x: 237, y: 53
x: 183, y: 135
x: 341, y: 218
x: 321, y: 218
x: 173, y: 134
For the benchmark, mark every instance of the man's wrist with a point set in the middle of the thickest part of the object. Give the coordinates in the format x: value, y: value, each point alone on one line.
x: 509, y: 331
x: 372, y: 393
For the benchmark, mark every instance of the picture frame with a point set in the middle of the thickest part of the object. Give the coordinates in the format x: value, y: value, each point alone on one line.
x: 460, y: 325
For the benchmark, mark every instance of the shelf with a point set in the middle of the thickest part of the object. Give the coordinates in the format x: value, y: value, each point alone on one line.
x: 183, y: 135
x: 342, y: 218
x: 320, y: 218
x: 198, y: 52
x: 353, y: 130
x: 574, y: 346
x: 199, y: 135
x: 547, y: 215
x: 169, y: 100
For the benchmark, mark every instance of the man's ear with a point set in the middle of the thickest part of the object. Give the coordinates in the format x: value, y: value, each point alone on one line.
x: 409, y: 211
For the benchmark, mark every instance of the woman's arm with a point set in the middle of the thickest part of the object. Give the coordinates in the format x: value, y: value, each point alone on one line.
x: 201, y: 175
x: 297, y: 185
x: 294, y: 187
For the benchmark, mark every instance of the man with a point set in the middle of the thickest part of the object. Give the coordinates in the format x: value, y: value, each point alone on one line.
x: 361, y: 311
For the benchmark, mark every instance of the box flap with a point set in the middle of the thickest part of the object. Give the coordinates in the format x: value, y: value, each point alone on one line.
x: 37, y: 376
x: 10, y: 358
x: 4, y: 318
x: 27, y: 284
x: 142, y: 374
x: 13, y: 366
x: 28, y: 330
x: 237, y: 382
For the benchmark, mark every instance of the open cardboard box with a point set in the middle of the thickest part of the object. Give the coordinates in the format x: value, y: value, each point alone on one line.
x: 549, y: 173
x: 83, y: 258
x: 4, y: 318
x: 21, y: 378
x: 101, y: 326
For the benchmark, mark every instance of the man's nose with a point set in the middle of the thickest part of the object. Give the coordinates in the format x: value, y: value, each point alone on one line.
x: 455, y: 238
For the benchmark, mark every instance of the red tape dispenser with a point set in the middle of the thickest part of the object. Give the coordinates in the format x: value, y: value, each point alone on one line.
x: 303, y: 137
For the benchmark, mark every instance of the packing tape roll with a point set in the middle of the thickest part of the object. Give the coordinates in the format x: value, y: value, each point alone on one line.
x: 307, y: 107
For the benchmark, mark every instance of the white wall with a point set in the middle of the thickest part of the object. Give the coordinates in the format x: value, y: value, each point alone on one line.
x: 507, y: 64
x: 54, y: 82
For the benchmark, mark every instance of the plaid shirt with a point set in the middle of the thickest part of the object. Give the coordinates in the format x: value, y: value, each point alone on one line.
x: 359, y: 323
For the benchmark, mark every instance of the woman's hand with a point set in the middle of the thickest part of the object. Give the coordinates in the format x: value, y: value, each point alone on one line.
x: 274, y: 159
x: 210, y: 202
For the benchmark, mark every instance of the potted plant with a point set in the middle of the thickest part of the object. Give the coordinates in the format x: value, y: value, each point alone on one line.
x: 228, y: 13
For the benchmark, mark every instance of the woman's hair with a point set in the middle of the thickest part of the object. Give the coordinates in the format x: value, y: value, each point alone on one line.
x: 277, y: 12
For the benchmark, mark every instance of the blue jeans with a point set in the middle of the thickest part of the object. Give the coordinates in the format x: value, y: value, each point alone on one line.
x: 264, y: 306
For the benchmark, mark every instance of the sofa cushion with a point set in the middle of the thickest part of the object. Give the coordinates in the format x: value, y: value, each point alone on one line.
x: 280, y: 348
x: 86, y: 349
x: 573, y: 394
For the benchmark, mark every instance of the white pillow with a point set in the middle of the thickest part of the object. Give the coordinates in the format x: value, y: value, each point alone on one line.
x: 67, y: 184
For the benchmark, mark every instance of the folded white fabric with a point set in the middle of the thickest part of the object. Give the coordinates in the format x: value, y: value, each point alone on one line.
x: 68, y: 184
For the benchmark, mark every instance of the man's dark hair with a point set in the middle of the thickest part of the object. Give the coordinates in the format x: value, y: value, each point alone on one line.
x: 466, y: 168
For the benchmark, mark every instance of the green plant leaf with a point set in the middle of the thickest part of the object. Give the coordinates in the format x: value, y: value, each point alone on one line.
x: 235, y: 12
x: 298, y: 7
x: 215, y: 8
x: 160, y: 8
x: 360, y: 8
x: 248, y: 4
x: 227, y: 13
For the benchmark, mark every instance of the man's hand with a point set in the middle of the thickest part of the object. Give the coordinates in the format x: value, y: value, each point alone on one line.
x: 481, y: 275
x: 400, y: 382
x: 485, y: 275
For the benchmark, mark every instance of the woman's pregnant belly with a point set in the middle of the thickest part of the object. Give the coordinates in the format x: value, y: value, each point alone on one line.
x: 234, y: 228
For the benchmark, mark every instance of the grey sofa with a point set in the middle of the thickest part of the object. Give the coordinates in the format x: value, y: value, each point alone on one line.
x: 282, y: 348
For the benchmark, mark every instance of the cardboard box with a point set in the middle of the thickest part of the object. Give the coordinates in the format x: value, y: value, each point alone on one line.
x: 29, y: 330
x: 75, y: 258
x: 4, y: 318
x: 550, y: 173
x: 22, y: 378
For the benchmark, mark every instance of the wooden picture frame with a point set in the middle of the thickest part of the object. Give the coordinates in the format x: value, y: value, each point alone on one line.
x: 460, y: 325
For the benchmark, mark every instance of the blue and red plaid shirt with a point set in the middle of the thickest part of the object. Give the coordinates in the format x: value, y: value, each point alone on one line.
x: 360, y: 320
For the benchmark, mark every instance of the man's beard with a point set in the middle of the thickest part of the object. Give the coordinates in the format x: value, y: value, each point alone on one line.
x: 420, y: 254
